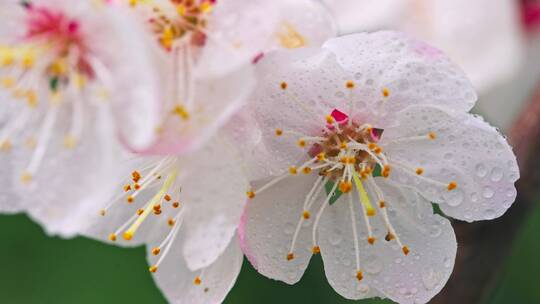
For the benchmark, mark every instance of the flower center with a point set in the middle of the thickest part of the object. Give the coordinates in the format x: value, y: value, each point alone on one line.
x: 51, y: 62
x: 187, y: 25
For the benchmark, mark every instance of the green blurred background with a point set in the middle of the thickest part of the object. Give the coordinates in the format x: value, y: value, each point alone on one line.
x: 39, y: 269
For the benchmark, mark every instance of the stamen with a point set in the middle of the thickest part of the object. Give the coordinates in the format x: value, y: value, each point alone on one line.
x: 319, y: 214
x: 128, y: 235
x: 355, y: 233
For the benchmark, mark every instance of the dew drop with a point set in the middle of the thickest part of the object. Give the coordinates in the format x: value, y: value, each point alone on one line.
x: 374, y: 265
x: 453, y: 198
x: 430, y: 278
x: 481, y: 170
x: 496, y: 174
x: 488, y: 192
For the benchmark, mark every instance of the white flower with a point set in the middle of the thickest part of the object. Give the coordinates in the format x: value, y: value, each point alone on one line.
x: 66, y: 70
x: 186, y: 204
x: 186, y: 210
x: 383, y: 119
x: 484, y: 37
x: 207, y: 51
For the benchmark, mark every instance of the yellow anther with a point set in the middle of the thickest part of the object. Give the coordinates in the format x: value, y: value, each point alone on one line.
x: 389, y: 236
x: 206, y: 7
x: 349, y: 84
x: 283, y: 85
x: 344, y: 159
x: 156, y: 251
x: 372, y: 146
x: 167, y: 197
x: 177, y: 204
x: 70, y: 142
x: 301, y: 143
x: 102, y: 212
x: 329, y: 119
x: 321, y: 156
x: 197, y: 280
x: 371, y: 240
x: 140, y: 211
x: 370, y: 211
x: 343, y: 146
x: 171, y: 222
x: 419, y: 171
x: 345, y: 186
x: 182, y: 112
x: 279, y: 132
x: 127, y: 188
x: 8, y: 82
x: 293, y: 170
x: 351, y: 160
x: 31, y: 98
x: 306, y: 215
x: 28, y: 60
x: 80, y: 80
x: 5, y: 145
x: 135, y: 176
x: 382, y: 204
x: 306, y: 170
x: 359, y: 275
x: 452, y: 185
x: 26, y: 177
x: 136, y: 186
x: 432, y: 135
x: 7, y: 58
x: 153, y: 269
x: 385, y: 92
x: 377, y: 150
x: 386, y: 171
x: 250, y: 194
x: 290, y: 256
x: 130, y: 199
x: 112, y: 237
x: 128, y: 235
x: 290, y: 38
x: 405, y: 250
x: 59, y: 67
x: 316, y: 250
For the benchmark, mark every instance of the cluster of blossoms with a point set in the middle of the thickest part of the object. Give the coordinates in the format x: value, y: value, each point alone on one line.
x: 208, y: 130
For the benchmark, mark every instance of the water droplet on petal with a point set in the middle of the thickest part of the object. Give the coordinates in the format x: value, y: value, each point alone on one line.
x: 481, y: 170
x: 488, y: 192
x: 496, y: 174
x: 430, y: 278
x: 453, y: 198
x: 374, y: 265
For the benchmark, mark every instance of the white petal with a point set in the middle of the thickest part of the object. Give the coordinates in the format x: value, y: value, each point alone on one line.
x: 300, y: 108
x: 268, y: 227
x: 412, y: 71
x: 176, y: 281
x: 63, y: 192
x: 217, y: 99
x: 214, y: 195
x: 241, y: 30
x: 131, y: 60
x: 466, y: 150
x: 387, y: 272
x: 9, y: 200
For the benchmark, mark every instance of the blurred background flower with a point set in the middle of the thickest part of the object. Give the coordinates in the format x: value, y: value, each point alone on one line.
x: 498, y: 44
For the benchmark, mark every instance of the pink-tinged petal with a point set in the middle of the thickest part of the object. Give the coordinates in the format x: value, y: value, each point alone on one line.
x: 530, y: 13
x: 401, y: 72
x: 181, y: 285
x: 286, y: 103
x: 387, y: 272
x: 465, y: 154
x: 272, y: 217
